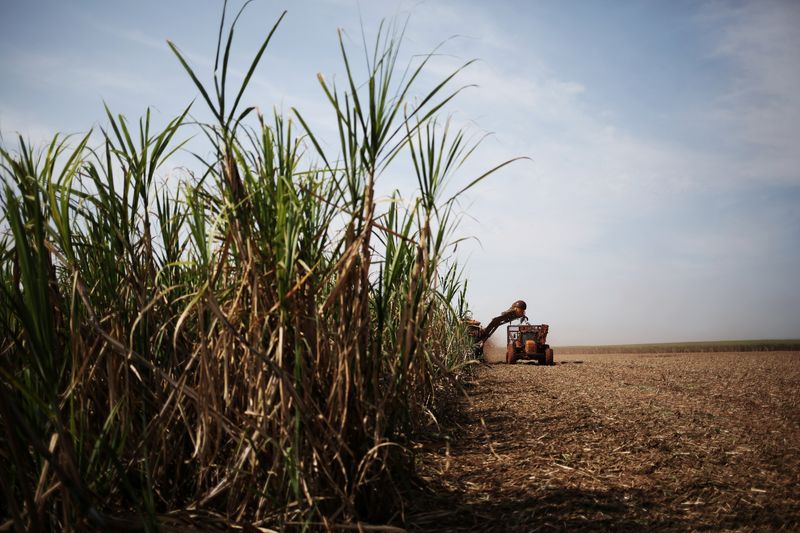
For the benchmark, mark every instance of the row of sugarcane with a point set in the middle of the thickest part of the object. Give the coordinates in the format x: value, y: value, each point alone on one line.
x: 257, y: 341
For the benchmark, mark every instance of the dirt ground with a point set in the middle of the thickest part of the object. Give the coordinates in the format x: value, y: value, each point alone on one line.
x: 623, y: 442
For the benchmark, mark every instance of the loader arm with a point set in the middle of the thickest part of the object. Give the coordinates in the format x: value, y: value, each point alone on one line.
x: 517, y: 310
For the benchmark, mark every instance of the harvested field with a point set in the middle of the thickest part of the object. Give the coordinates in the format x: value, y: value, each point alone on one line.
x: 631, y: 442
x: 768, y: 345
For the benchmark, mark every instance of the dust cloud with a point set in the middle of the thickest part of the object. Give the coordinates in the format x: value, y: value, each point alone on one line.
x: 494, y: 351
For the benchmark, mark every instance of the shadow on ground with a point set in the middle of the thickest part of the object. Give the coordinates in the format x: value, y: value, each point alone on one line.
x: 555, y: 509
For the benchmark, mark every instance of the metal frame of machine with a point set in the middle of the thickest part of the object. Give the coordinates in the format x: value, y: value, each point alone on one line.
x: 528, y: 342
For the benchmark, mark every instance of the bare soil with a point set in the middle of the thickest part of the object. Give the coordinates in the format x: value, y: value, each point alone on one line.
x: 705, y: 441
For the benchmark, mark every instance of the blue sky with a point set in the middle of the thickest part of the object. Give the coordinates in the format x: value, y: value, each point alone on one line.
x: 662, y: 202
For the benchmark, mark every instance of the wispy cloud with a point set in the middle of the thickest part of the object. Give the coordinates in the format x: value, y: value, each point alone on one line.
x: 68, y: 71
x: 14, y: 123
x: 761, y: 108
x: 616, y: 213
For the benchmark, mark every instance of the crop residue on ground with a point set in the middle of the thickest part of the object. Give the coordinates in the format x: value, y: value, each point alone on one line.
x: 677, y: 441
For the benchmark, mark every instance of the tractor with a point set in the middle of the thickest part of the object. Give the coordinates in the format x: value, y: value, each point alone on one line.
x: 528, y: 342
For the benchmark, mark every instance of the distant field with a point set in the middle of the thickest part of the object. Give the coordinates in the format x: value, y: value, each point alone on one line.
x: 682, y: 347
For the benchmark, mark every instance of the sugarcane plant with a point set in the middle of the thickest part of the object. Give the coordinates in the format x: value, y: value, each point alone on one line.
x: 258, y: 341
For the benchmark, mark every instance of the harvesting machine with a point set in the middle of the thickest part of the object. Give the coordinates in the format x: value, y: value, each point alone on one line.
x: 523, y: 341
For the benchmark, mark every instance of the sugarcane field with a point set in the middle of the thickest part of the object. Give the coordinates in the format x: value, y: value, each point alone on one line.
x: 440, y: 266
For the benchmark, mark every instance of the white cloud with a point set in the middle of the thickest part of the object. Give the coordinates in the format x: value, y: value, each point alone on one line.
x: 67, y: 71
x: 762, y: 107
x: 13, y: 123
x: 551, y: 229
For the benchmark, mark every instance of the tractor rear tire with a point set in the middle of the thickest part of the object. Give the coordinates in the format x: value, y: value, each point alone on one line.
x: 548, y: 357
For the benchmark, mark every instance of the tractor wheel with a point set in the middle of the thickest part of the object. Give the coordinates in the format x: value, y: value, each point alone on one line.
x: 510, y: 358
x: 548, y: 357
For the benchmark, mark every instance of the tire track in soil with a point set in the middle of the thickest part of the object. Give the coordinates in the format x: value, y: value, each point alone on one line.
x: 624, y: 442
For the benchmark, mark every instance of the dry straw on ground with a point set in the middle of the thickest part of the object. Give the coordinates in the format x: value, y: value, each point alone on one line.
x: 622, y: 442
